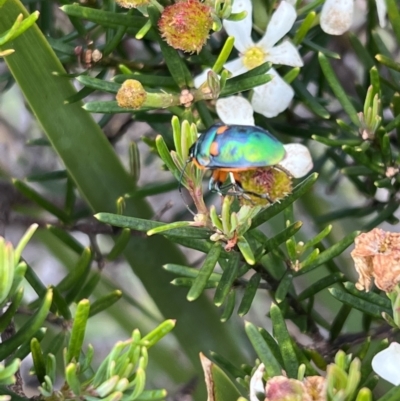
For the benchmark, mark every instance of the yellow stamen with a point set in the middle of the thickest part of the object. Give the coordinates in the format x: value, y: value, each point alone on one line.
x: 253, y: 57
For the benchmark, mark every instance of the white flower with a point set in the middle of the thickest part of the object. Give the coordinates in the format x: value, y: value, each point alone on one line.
x: 256, y: 384
x: 275, y: 96
x: 386, y: 364
x: 337, y: 15
x: 237, y: 110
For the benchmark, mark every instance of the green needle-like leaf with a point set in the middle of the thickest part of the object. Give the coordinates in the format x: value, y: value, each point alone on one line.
x: 78, y: 331
x: 28, y: 330
x: 272, y: 366
x: 285, y: 342
x: 338, y: 89
x: 204, y: 273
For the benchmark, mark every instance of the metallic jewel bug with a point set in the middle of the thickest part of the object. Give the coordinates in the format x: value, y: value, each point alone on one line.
x: 228, y: 150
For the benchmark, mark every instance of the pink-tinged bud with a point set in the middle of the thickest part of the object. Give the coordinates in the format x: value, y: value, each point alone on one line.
x: 270, y: 182
x: 132, y: 3
x: 186, y: 25
x: 131, y: 94
x: 280, y: 388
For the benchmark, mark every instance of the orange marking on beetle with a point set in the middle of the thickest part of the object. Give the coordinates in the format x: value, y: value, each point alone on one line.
x: 198, y: 165
x: 214, y: 151
x: 220, y: 175
x: 222, y: 129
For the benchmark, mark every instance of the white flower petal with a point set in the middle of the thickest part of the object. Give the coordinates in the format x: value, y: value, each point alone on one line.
x: 201, y: 78
x: 273, y: 97
x: 298, y: 160
x: 382, y: 9
x: 286, y: 54
x: 280, y: 24
x: 236, y: 67
x: 336, y: 16
x: 256, y: 383
x: 241, y: 30
x: 386, y: 364
x: 235, y: 110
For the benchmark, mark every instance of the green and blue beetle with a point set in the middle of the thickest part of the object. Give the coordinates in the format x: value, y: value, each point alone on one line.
x: 232, y: 149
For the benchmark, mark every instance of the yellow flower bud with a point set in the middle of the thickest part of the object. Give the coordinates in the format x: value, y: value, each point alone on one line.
x: 131, y: 94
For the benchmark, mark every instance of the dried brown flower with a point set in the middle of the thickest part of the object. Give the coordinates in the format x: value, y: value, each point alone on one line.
x: 377, y: 256
x: 316, y: 387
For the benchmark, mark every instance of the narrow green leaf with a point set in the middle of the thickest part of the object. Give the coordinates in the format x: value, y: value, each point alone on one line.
x: 282, y: 336
x: 276, y: 208
x: 246, y: 251
x: 147, y: 80
x: 272, y: 366
x: 104, y: 302
x: 66, y: 238
x: 283, y: 287
x: 166, y: 157
x: 188, y: 282
x: 60, y: 305
x: 76, y: 274
x: 40, y: 200
x: 339, y: 321
x: 50, y: 176
x: 304, y: 28
x: 38, y: 360
x: 224, y: 54
x: 168, y: 227
x: 152, y: 395
x: 338, y: 89
x: 372, y: 297
x: 101, y: 17
x: 309, y: 100
x: 71, y: 377
x: 333, y: 141
x: 244, y: 84
x: 229, y: 306
x: 273, y: 243
x: 188, y: 271
x: 98, y: 84
x: 120, y: 243
x: 318, y: 238
x: 227, y: 365
x: 317, y: 48
x: 228, y: 277
x: 105, y: 107
x: 361, y: 51
x: 329, y: 254
x: 357, y: 303
x: 249, y: 294
x: 320, y: 285
x: 137, y: 224
x: 204, y: 273
x: 9, y: 314
x: 158, y: 333
x: 28, y: 330
x: 394, y: 17
x: 392, y: 395
x: 78, y: 331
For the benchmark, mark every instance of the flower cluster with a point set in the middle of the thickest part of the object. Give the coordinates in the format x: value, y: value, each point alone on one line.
x: 281, y: 388
x: 275, y: 96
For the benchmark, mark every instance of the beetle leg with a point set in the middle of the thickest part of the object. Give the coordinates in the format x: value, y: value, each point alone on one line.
x: 217, y: 179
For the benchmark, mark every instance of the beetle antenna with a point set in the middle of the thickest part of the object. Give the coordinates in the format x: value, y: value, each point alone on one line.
x: 180, y: 186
